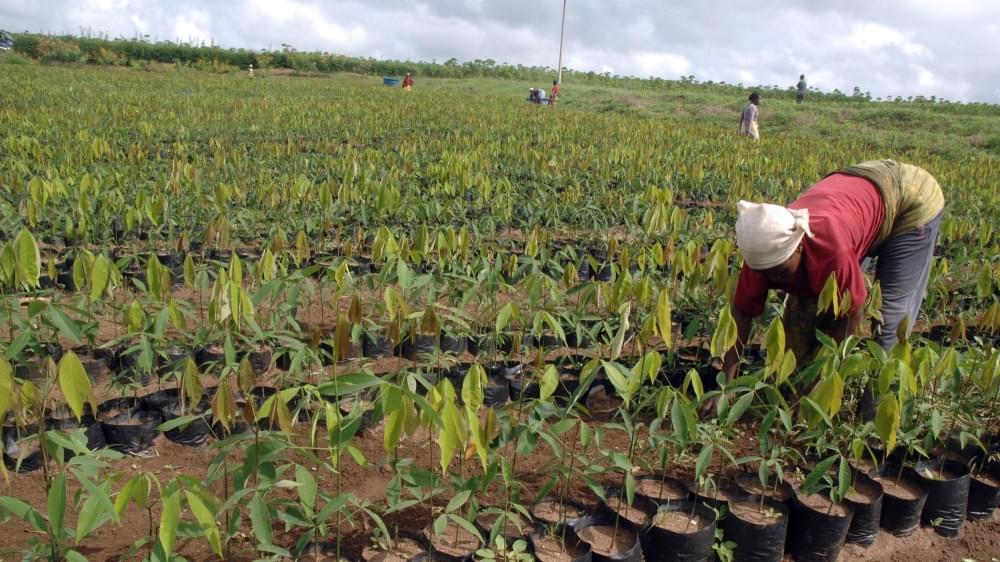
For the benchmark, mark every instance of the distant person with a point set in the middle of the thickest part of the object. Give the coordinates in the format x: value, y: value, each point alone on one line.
x: 554, y: 93
x: 250, y: 70
x: 407, y: 82
x: 748, y: 119
x: 800, y: 93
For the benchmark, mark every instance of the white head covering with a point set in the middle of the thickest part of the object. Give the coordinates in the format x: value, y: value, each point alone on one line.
x: 769, y: 234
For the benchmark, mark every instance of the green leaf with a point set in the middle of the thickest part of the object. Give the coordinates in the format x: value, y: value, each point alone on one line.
x: 28, y: 261
x: 739, y: 408
x: 704, y: 460
x: 663, y: 323
x: 619, y: 340
x: 829, y: 297
x: 812, y: 480
x: 100, y: 277
x: 74, y: 556
x: 57, y: 505
x: 937, y: 422
x: 189, y: 276
x: 829, y: 394
x: 887, y: 421
x: 549, y: 382
x: 440, y: 524
x: 80, y: 267
x: 843, y: 479
x: 504, y: 316
x: 629, y: 487
x: 458, y: 501
x: 206, y: 521
x: 694, y: 378
x: 261, y: 519
x: 774, y: 341
x: 307, y: 489
x: 125, y: 495
x: 169, y: 519
x: 100, y: 494
x: 724, y: 337
x: 25, y: 512
x: 6, y: 386
x: 67, y: 326
x: 92, y: 515
x: 472, y: 388
x: 679, y: 421
x: 75, y: 384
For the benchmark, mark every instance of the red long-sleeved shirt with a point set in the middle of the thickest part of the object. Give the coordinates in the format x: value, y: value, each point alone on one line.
x: 845, y: 213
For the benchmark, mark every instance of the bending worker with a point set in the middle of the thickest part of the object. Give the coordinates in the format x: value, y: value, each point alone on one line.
x: 878, y: 209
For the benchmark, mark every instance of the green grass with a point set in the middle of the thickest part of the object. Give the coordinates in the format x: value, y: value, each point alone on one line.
x: 949, y: 130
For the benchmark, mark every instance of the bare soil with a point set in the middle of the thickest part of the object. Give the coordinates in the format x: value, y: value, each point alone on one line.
x: 781, y: 492
x: 551, y: 511
x: 902, y: 488
x: 514, y: 525
x: 988, y: 479
x: 658, y: 489
x: 936, y: 474
x: 863, y: 493
x: 549, y: 548
x: 821, y: 503
x: 401, y: 550
x: 454, y: 541
x: 606, y: 541
x: 630, y: 512
x: 976, y: 541
x: 680, y: 521
x: 751, y: 513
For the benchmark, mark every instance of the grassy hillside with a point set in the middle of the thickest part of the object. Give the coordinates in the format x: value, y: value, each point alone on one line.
x: 901, y: 128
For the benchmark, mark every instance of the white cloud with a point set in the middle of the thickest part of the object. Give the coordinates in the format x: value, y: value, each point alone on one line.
x: 873, y: 36
x: 193, y: 26
x: 659, y: 64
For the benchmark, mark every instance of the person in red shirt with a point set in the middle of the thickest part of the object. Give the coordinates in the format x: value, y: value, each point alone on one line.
x: 880, y: 209
x: 554, y: 93
x: 407, y: 82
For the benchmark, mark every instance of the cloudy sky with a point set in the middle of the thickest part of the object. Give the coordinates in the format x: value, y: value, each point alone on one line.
x: 887, y: 47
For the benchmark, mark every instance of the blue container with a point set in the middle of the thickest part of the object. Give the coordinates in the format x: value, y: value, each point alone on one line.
x: 391, y: 82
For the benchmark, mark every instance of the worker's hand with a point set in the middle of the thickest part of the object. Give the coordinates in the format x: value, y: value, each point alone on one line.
x: 708, y: 406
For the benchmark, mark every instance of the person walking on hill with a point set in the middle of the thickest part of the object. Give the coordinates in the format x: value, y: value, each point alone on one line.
x: 748, y: 119
x: 881, y: 210
x: 407, y: 82
x: 554, y: 92
x: 800, y: 89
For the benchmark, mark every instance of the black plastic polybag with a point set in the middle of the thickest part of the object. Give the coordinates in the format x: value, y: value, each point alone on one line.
x: 695, y: 545
x: 168, y: 404
x: 817, y: 534
x: 901, y: 515
x: 947, y: 495
x: 867, y: 510
x: 756, y: 541
x: 984, y: 496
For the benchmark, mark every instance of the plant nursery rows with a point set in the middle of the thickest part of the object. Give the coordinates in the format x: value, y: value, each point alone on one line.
x: 319, y: 319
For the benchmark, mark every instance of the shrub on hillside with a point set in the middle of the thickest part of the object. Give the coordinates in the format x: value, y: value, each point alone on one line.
x: 50, y: 49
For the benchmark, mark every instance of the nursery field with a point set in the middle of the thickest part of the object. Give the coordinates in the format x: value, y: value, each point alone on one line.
x: 311, y: 317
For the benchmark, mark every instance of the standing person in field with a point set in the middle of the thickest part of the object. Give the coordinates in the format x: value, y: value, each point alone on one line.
x: 554, y: 92
x: 407, y: 82
x: 800, y: 89
x: 878, y: 209
x: 748, y: 119
x: 250, y: 70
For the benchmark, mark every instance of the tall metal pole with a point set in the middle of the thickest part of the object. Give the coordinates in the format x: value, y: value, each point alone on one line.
x: 562, y: 30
